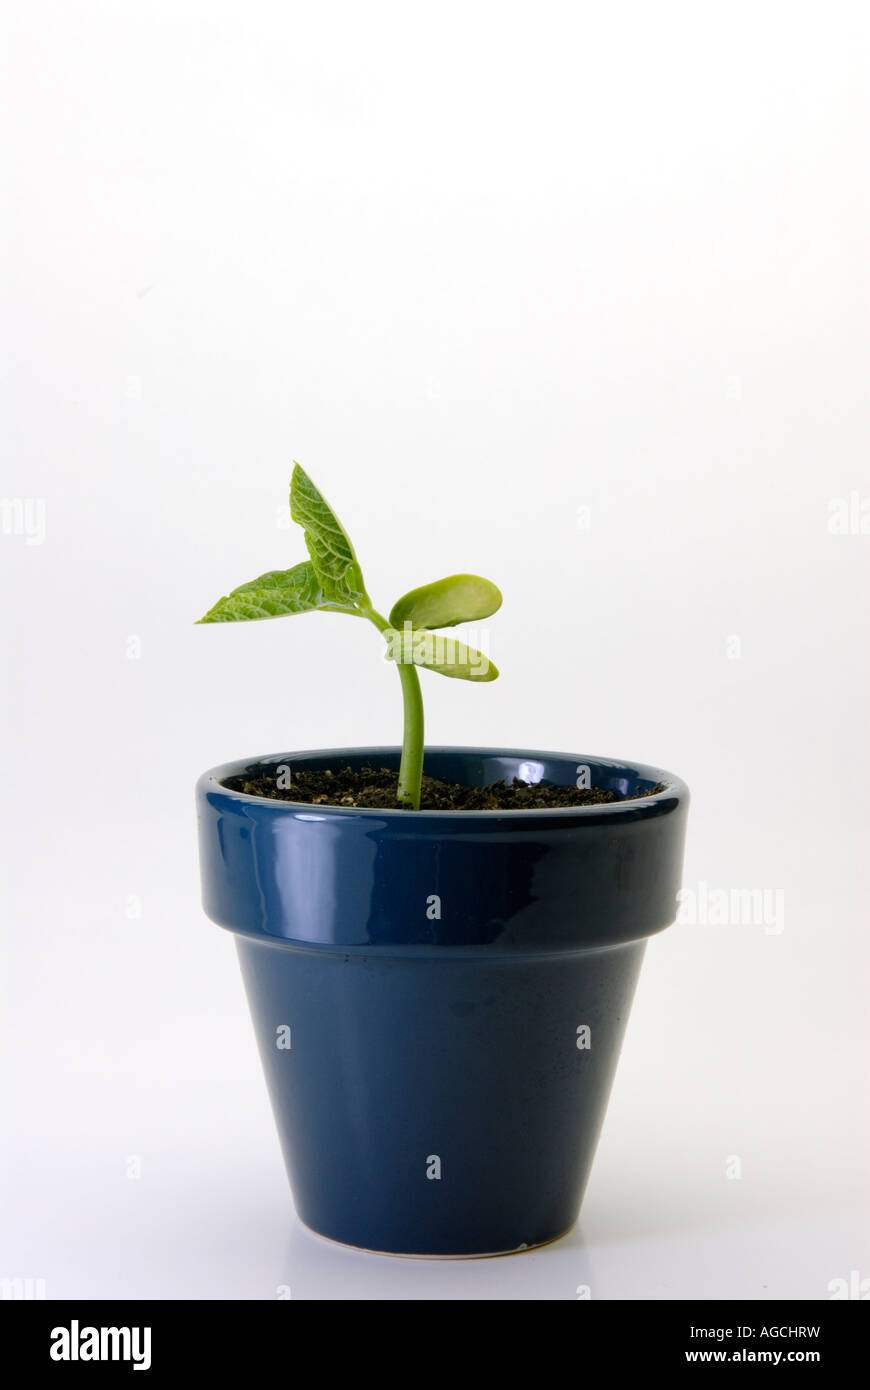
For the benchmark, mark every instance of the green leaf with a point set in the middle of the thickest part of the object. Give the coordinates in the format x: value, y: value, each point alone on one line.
x: 274, y: 595
x: 460, y: 598
x: 331, y: 552
x: 446, y: 655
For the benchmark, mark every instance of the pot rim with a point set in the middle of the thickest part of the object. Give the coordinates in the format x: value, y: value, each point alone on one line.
x: 639, y: 807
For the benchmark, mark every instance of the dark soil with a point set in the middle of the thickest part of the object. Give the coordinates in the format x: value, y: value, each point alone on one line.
x: 376, y: 787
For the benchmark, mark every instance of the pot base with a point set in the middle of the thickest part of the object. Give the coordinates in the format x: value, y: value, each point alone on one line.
x: 438, y: 1105
x: 402, y: 1255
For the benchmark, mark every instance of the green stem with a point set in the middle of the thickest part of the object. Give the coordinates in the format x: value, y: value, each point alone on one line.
x: 411, y: 766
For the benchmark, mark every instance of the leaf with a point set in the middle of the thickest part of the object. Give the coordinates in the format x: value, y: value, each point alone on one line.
x: 272, y: 596
x: 446, y: 655
x: 331, y: 552
x: 460, y: 598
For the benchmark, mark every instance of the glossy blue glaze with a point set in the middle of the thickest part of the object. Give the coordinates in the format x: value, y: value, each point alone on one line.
x: 408, y: 1036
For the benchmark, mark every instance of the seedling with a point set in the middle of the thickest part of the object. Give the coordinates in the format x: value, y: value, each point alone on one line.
x: 331, y: 580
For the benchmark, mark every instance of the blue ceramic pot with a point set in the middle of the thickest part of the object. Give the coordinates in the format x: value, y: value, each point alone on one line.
x: 440, y: 997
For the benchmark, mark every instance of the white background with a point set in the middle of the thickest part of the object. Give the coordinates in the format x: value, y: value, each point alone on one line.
x: 479, y: 267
